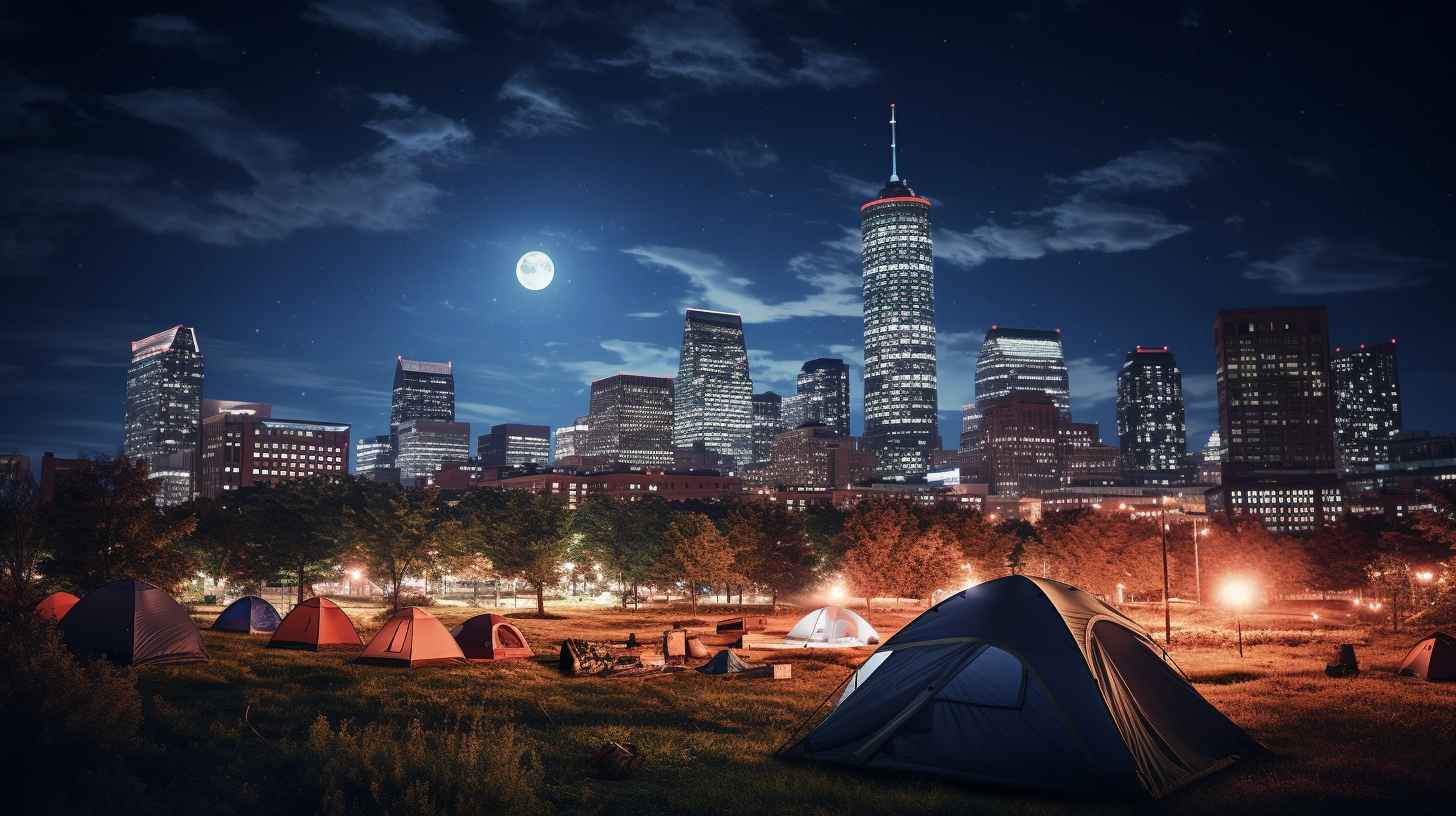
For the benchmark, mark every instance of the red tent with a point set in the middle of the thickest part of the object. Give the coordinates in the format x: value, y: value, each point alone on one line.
x: 412, y: 637
x: 55, y: 605
x: 317, y: 623
x: 491, y: 637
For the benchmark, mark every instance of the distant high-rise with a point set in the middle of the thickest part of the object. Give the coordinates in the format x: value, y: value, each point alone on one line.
x: 372, y: 455
x: 824, y: 386
x: 422, y: 390
x: 1023, y: 360
x: 571, y: 440
x: 1022, y: 445
x: 631, y: 420
x: 1210, y: 461
x: 793, y: 411
x: 1150, y: 426
x: 515, y: 444
x: 164, y: 407
x: 423, y: 446
x: 815, y: 455
x: 900, y: 396
x: 1276, y: 417
x: 767, y: 423
x: 713, y: 396
x: 1367, y: 405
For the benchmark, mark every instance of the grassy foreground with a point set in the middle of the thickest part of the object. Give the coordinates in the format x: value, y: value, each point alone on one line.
x: 528, y: 733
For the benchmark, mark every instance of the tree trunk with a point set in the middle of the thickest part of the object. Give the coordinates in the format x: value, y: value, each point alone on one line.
x: 541, y: 599
x: 300, y: 586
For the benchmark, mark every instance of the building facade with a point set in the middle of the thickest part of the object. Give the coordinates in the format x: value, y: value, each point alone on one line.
x: 373, y: 455
x: 768, y: 422
x: 823, y: 386
x: 816, y: 455
x: 631, y: 420
x: 164, y: 407
x: 423, y: 446
x: 713, y: 396
x: 1150, y: 427
x: 422, y: 390
x: 241, y: 449
x: 1023, y: 360
x: 571, y: 440
x: 900, y: 393
x: 1021, y: 445
x: 515, y: 444
x: 1367, y: 405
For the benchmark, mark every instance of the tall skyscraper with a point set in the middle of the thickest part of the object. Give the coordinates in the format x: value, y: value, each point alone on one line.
x: 713, y: 396
x: 422, y: 390
x: 767, y: 423
x: 793, y: 411
x: 900, y: 397
x: 1276, y: 416
x: 423, y: 446
x: 824, y: 386
x: 515, y: 444
x: 631, y: 420
x: 1367, y: 405
x: 373, y: 455
x: 571, y: 440
x: 1023, y: 360
x: 164, y: 407
x: 1150, y: 428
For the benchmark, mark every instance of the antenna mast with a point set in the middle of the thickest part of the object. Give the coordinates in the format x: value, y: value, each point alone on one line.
x: 894, y: 165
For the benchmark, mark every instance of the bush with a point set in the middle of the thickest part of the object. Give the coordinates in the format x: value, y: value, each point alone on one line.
x: 391, y: 770
x: 71, y: 729
x: 415, y: 600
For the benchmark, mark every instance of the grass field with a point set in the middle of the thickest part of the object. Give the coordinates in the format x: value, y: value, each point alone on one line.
x: 1337, y: 744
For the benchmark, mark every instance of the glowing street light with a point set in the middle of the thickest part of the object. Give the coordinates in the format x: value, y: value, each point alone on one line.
x: 837, y: 593
x: 1239, y: 594
x: 1425, y: 576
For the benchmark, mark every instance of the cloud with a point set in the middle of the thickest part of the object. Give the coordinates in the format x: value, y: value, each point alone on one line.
x: 769, y: 370
x: 631, y: 357
x: 741, y: 154
x: 955, y: 367
x: 637, y: 116
x: 390, y: 101
x: 1321, y: 266
x: 410, y: 25
x: 1091, y: 382
x: 174, y: 31
x: 835, y: 289
x: 1076, y: 225
x: 707, y: 45
x: 538, y: 110
x: 1315, y: 166
x: 381, y: 191
x: 1160, y: 167
x: 483, y: 414
x: 859, y: 188
x: 288, y: 371
x: 644, y: 315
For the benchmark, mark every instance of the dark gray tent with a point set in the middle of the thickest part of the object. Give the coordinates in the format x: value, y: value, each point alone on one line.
x: 1027, y: 682
x: 724, y: 662
x: 132, y: 623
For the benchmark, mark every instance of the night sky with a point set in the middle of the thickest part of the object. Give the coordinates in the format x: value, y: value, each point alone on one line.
x: 320, y: 188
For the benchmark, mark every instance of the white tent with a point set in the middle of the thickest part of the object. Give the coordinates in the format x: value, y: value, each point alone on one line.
x: 832, y: 626
x: 1027, y: 682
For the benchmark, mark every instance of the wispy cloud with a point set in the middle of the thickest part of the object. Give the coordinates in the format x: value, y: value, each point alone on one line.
x: 1322, y: 266
x: 483, y: 414
x: 384, y: 190
x: 639, y: 116
x: 835, y: 289
x: 741, y: 154
x: 175, y: 31
x: 628, y: 357
x: 411, y: 25
x: 291, y: 372
x: 1315, y: 166
x: 955, y: 367
x: 644, y: 315
x: 708, y: 46
x: 1160, y: 167
x: 538, y: 108
x: 859, y: 188
x: 1091, y: 381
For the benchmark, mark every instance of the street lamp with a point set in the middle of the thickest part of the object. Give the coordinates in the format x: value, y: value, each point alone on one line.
x: 1197, y: 569
x: 1163, y: 532
x: 1239, y: 594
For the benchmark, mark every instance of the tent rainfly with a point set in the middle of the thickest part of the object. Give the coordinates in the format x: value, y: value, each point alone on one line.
x: 412, y: 637
x: 1432, y: 659
x: 248, y: 615
x: 724, y: 662
x: 832, y: 626
x: 317, y: 623
x: 132, y: 623
x: 491, y: 637
x: 54, y: 606
x: 1027, y: 682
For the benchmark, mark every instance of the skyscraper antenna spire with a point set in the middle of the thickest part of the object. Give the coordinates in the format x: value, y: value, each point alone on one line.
x: 894, y: 165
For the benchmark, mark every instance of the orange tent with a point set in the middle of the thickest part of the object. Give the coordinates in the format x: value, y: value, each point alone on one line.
x: 412, y: 637
x: 491, y: 637
x: 317, y: 623
x: 55, y: 605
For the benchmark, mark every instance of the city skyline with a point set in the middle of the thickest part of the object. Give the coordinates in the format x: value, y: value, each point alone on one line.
x: 1027, y: 230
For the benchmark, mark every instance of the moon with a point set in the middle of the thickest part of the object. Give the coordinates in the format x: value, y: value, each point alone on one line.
x: 535, y: 270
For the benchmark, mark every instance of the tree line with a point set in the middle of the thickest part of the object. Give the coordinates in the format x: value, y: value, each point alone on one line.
x: 103, y: 524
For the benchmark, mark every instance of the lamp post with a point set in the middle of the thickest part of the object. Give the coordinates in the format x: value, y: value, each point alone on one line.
x: 1238, y: 593
x: 1167, y: 611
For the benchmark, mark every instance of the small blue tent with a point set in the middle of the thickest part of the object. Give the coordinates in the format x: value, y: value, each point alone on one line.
x: 248, y: 615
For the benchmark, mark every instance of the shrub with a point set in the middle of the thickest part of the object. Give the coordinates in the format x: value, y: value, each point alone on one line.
x: 415, y: 600
x: 387, y: 769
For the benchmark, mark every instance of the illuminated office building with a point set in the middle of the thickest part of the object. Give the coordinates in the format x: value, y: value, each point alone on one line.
x: 1150, y: 428
x: 423, y: 446
x: 571, y: 440
x: 1367, y: 405
x: 515, y: 444
x: 823, y: 386
x: 713, y: 394
x: 422, y: 390
x: 631, y: 420
x: 164, y: 408
x: 767, y: 423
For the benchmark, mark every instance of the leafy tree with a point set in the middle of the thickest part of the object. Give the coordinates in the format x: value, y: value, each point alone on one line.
x: 624, y: 537
x: 1017, y: 535
x: 1340, y: 554
x: 699, y: 553
x: 22, y: 541
x: 223, y: 540
x: 933, y: 561
x: 822, y: 526
x: 875, y: 540
x: 1098, y: 551
x: 104, y: 525
x: 772, y: 548
x: 527, y: 537
x: 398, y: 533
x: 297, y: 529
x: 985, y: 549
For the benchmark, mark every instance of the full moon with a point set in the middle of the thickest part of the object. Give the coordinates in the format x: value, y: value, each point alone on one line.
x: 535, y: 270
